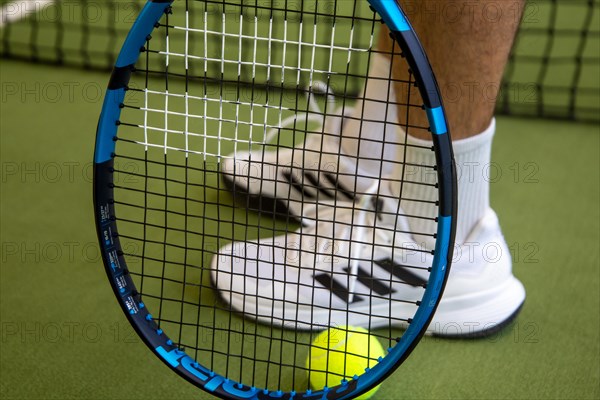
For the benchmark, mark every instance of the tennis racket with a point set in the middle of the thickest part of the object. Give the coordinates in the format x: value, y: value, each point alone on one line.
x: 250, y: 191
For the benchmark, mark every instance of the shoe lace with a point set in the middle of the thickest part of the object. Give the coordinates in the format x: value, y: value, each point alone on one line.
x: 359, y: 231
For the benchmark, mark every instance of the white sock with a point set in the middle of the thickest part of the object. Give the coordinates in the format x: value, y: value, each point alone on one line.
x: 379, y: 104
x: 472, y: 157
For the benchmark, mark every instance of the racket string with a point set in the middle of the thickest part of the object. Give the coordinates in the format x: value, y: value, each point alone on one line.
x: 182, y: 215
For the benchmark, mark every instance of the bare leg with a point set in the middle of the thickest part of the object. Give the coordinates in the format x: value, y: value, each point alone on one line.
x: 468, y: 44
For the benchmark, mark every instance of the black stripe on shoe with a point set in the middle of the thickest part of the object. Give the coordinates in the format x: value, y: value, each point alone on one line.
x: 297, y: 185
x: 401, y: 272
x: 336, y: 288
x: 369, y: 281
x: 338, y: 186
x: 315, y: 182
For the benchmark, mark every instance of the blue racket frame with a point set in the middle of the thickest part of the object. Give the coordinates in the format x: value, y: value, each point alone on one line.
x: 116, y: 267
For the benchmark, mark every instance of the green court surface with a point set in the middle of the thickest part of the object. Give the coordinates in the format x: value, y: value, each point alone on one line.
x: 64, y: 336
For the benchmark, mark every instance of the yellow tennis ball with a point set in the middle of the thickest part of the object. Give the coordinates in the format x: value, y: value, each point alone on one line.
x: 343, y: 352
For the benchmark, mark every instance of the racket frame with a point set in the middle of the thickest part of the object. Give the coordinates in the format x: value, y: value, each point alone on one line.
x: 116, y: 266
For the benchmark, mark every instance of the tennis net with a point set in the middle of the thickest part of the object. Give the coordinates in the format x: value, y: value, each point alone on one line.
x: 554, y: 70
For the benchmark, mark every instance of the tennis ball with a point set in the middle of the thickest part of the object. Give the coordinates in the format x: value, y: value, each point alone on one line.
x: 345, y: 351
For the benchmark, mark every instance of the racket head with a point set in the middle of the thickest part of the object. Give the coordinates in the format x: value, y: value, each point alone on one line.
x: 128, y: 257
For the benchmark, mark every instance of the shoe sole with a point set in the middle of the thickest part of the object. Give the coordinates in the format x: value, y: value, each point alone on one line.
x: 485, y: 333
x: 478, y: 321
x: 491, y: 312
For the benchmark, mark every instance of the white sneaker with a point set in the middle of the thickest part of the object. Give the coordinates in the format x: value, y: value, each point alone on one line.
x: 283, y: 181
x: 347, y: 267
x: 280, y: 182
x: 482, y: 295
